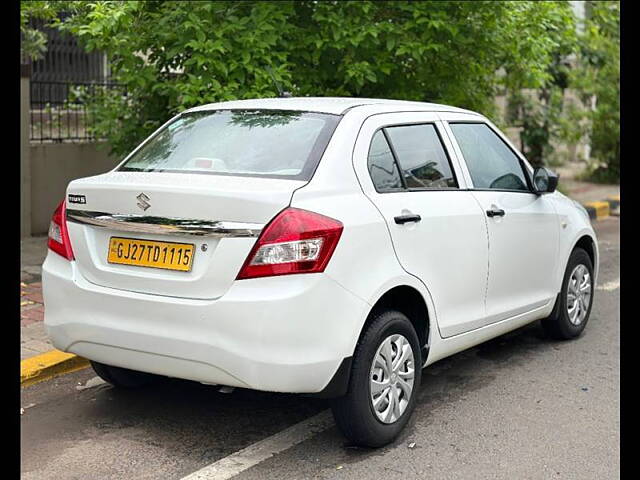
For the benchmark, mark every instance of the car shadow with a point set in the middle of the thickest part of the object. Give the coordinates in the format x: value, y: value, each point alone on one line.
x: 458, y: 375
x: 193, y: 423
x: 197, y: 424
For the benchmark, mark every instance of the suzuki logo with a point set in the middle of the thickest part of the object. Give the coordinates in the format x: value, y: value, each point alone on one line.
x: 143, y: 201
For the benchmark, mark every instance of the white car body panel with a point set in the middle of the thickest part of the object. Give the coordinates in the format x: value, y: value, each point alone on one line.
x: 524, y: 240
x: 266, y: 334
x: 333, y: 105
x: 443, y: 347
x: 291, y: 333
x: 574, y: 224
x: 175, y: 195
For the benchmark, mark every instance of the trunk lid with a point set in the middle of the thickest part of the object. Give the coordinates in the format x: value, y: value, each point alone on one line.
x: 202, y: 197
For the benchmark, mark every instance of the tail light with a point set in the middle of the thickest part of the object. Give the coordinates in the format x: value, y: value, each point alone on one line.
x: 58, y: 235
x: 295, y: 241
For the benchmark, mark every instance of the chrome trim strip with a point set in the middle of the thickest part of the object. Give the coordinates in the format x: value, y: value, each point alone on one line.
x: 165, y: 225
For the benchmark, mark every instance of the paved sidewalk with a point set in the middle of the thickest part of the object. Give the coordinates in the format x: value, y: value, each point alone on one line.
x: 32, y: 253
x: 585, y: 192
x: 33, y: 338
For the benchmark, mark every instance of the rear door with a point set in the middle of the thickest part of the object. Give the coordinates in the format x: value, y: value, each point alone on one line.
x: 195, y: 196
x: 523, y: 227
x: 438, y: 229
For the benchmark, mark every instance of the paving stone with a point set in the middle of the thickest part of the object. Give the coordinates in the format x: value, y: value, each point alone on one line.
x: 35, y: 296
x: 35, y: 314
x: 34, y: 340
x: 38, y: 346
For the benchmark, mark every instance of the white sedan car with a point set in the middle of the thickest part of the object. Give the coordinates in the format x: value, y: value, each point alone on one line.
x: 327, y: 246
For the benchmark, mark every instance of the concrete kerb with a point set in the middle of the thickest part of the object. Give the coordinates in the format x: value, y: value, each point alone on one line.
x: 49, y: 365
x: 605, y: 208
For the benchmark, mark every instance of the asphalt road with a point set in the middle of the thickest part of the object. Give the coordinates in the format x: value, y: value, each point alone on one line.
x: 520, y: 406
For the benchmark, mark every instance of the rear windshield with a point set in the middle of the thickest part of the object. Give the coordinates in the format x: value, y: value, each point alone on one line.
x: 265, y: 143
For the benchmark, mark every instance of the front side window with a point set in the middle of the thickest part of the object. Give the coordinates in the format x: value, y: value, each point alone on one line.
x: 421, y: 156
x: 382, y: 166
x: 269, y: 143
x: 491, y: 162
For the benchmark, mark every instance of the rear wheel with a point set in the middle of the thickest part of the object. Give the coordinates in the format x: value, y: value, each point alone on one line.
x: 123, y: 377
x: 384, y: 382
x: 573, y: 306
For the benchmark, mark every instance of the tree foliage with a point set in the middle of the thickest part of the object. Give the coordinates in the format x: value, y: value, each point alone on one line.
x: 598, y: 80
x: 540, y: 112
x: 173, y: 55
x: 33, y: 42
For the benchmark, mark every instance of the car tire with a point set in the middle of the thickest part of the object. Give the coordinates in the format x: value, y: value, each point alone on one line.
x: 354, y: 413
x: 123, y: 377
x: 560, y: 324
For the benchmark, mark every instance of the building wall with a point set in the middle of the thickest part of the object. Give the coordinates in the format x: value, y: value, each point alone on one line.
x: 25, y: 163
x: 53, y: 166
x: 562, y: 151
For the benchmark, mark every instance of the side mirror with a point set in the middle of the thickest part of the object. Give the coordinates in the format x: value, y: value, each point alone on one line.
x: 544, y: 180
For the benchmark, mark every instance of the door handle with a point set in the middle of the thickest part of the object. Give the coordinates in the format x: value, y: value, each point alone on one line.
x: 495, y: 212
x: 400, y: 219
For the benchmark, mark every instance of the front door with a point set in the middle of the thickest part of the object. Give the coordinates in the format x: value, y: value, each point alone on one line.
x: 523, y: 227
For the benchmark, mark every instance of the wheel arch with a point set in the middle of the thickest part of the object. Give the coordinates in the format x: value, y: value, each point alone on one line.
x: 405, y: 294
x: 583, y: 238
x: 409, y: 300
x: 588, y: 243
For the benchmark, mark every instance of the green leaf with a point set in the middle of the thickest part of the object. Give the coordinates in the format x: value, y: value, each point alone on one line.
x: 459, y: 53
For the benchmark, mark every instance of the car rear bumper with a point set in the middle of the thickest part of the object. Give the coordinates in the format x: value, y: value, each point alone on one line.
x: 284, y: 334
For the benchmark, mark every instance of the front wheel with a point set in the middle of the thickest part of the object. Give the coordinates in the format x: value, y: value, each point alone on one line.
x: 384, y: 382
x: 573, y: 306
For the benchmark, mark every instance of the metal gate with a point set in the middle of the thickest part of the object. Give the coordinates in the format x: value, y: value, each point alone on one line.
x: 64, y: 61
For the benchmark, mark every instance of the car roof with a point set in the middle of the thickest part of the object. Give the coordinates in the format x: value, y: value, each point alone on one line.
x: 332, y: 105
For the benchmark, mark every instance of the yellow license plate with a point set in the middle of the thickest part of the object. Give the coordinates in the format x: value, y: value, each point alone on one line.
x: 152, y: 254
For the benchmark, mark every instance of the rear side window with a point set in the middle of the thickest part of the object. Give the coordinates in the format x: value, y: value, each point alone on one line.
x: 265, y: 143
x: 491, y: 162
x: 382, y: 166
x: 421, y: 156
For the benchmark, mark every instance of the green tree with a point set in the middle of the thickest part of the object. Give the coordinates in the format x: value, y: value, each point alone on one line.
x: 33, y: 42
x: 598, y: 80
x: 174, y: 55
x: 539, y: 111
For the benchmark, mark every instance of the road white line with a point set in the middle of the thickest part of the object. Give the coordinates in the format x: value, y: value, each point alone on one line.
x: 235, y: 463
x: 609, y: 286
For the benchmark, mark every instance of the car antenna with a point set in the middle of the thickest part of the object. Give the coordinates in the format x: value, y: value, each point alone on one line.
x: 281, y: 93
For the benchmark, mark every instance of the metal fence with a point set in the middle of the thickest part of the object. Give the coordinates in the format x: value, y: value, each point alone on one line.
x: 59, y: 110
x: 65, y: 60
x: 58, y: 113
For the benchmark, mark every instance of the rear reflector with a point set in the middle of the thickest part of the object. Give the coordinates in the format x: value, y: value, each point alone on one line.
x: 295, y: 241
x: 58, y: 235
